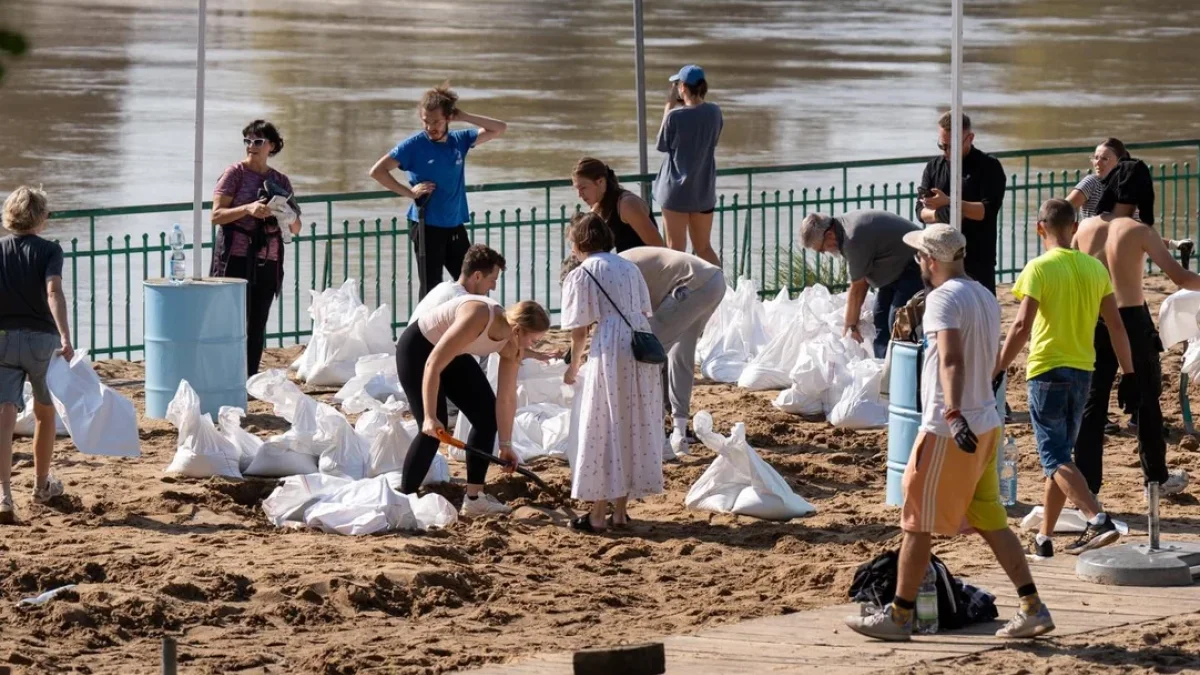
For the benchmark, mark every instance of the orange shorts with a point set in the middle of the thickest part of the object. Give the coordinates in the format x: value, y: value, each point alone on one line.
x: 948, y: 491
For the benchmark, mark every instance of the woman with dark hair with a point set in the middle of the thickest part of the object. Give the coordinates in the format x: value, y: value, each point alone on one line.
x: 435, y: 159
x: 618, y: 447
x: 686, y: 186
x: 250, y: 243
x: 1086, y: 194
x: 626, y: 214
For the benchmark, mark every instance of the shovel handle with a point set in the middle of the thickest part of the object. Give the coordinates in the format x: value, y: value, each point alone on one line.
x: 445, y: 437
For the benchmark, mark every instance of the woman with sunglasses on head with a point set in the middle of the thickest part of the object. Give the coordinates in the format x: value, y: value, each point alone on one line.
x: 250, y: 243
x: 1085, y: 196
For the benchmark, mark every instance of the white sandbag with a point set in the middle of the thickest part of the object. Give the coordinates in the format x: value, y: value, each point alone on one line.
x: 229, y: 420
x: 376, y: 372
x: 771, y: 367
x: 1070, y: 520
x: 541, y: 429
x: 1191, y: 360
x: 201, y: 451
x: 796, y: 401
x: 344, y: 453
x: 861, y: 406
x: 739, y: 481
x: 276, y: 459
x: 372, y: 505
x: 738, y: 334
x: 1178, y: 316
x: 274, y: 387
x: 99, y: 420
x: 27, y: 422
x: 343, y: 332
x: 288, y: 502
x: 388, y: 437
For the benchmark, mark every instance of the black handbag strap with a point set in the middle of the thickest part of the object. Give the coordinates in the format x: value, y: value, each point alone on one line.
x: 614, y: 304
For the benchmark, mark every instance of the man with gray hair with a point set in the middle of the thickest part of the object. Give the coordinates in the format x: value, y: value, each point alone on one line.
x: 872, y: 243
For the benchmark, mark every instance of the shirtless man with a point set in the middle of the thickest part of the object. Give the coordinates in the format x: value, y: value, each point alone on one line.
x: 1122, y: 244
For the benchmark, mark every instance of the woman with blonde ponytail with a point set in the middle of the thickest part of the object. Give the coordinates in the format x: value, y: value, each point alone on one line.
x: 626, y: 214
x: 437, y: 358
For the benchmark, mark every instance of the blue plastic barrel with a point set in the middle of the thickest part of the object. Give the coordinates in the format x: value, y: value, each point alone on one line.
x: 195, y: 331
x: 904, y: 417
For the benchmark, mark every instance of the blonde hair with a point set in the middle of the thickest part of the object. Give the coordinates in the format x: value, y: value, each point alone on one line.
x: 529, y: 316
x: 25, y: 210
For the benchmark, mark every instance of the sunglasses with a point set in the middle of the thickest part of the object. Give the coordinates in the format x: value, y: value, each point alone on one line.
x: 254, y: 142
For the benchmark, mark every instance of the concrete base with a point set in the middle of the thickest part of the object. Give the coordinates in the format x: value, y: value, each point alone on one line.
x: 1137, y: 565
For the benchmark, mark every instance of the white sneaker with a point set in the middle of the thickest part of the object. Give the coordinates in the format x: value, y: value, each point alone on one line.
x: 679, y: 445
x: 1176, y: 481
x: 51, y: 489
x: 485, y: 505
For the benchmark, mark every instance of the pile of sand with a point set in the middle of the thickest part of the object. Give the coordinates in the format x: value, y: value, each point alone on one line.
x: 197, y: 559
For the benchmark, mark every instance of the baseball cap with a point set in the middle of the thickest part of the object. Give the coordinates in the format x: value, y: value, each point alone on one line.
x: 689, y: 75
x: 940, y: 242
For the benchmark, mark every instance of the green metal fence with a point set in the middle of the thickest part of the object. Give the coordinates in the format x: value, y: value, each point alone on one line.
x: 359, y: 235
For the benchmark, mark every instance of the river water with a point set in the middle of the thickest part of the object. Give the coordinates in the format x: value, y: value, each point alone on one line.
x: 100, y: 112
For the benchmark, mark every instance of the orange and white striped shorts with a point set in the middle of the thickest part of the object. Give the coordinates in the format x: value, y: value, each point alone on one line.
x: 948, y: 491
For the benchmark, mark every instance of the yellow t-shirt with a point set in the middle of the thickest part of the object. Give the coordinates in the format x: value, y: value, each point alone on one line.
x: 1068, y: 286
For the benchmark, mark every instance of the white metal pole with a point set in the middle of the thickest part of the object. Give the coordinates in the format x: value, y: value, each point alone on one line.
x: 639, y: 39
x: 198, y: 178
x: 956, y: 131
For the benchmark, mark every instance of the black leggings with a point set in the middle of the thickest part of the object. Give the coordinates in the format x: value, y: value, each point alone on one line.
x: 259, y: 296
x: 464, y: 383
x: 445, y: 247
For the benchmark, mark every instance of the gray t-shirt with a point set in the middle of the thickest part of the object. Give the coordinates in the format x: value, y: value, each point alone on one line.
x: 26, y: 263
x: 873, y: 245
x: 687, y: 181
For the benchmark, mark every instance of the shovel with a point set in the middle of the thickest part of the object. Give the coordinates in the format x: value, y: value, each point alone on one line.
x: 445, y: 437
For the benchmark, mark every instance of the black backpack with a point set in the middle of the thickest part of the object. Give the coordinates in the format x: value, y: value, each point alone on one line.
x: 875, y: 582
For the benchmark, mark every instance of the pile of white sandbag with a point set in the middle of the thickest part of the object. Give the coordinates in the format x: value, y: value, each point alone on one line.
x: 354, y: 507
x: 739, y: 481
x: 796, y: 345
x: 543, y: 420
x: 375, y: 375
x: 321, y: 447
x: 344, y: 331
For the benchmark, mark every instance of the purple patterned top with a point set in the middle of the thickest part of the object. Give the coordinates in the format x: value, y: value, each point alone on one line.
x: 242, y: 184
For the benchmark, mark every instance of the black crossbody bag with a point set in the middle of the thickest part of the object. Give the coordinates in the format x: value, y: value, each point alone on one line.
x: 646, y: 346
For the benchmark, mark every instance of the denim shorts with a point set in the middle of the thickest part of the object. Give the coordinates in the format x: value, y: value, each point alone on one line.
x: 1056, y: 400
x: 25, y: 354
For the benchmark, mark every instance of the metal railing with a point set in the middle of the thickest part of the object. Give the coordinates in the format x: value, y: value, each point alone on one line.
x: 754, y: 229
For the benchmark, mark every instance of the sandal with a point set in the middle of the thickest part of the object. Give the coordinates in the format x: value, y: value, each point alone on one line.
x: 584, y: 524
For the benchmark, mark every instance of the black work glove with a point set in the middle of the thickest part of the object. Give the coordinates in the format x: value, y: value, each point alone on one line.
x: 963, y: 436
x: 996, y: 382
x: 1129, y: 396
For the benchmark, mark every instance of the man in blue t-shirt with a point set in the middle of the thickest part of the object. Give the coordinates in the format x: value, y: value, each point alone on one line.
x: 435, y: 161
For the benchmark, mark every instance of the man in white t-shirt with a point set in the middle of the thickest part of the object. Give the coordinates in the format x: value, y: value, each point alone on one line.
x: 481, y: 269
x: 951, y: 485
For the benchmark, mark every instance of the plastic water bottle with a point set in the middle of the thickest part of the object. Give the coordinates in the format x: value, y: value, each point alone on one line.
x: 927, y: 603
x: 1008, y: 472
x: 178, y: 260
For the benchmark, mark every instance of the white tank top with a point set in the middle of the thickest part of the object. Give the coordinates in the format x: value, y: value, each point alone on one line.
x: 438, y: 320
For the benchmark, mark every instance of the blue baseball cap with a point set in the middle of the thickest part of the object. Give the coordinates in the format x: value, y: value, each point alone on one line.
x: 689, y: 75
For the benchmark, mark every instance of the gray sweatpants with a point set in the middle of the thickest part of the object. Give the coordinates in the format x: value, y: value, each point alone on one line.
x: 677, y: 323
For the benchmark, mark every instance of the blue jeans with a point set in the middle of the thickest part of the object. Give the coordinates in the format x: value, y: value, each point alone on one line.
x: 1056, y: 401
x: 889, y: 299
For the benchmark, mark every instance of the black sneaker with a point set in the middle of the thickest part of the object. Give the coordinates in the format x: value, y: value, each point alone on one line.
x: 1043, y: 550
x: 1095, y: 536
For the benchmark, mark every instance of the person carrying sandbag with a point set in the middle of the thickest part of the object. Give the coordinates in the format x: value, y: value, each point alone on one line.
x: 33, y: 329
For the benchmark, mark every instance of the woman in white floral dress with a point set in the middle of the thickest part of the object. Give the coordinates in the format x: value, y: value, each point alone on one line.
x: 619, y: 444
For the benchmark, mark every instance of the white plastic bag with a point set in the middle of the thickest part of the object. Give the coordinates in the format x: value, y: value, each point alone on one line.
x: 27, y: 422
x: 229, y: 419
x: 274, y: 387
x: 861, y: 406
x: 388, y: 437
x: 293, y: 452
x: 344, y: 453
x: 538, y: 430
x: 1178, y: 318
x: 201, y: 451
x: 739, y: 481
x: 373, y: 505
x: 343, y: 332
x: 1191, y: 360
x: 541, y: 429
x: 737, y: 334
x: 1070, y: 520
x: 99, y: 420
x: 288, y: 502
x: 376, y: 374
